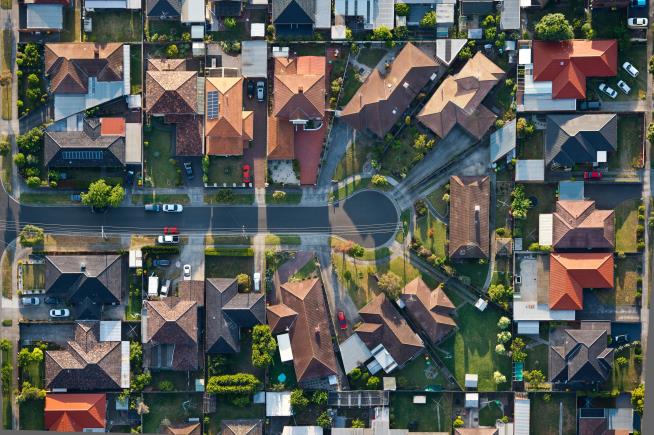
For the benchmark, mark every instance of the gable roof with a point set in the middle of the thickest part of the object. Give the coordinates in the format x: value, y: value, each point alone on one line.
x: 75, y: 412
x: 579, y: 225
x: 382, y: 99
x: 571, y: 139
x: 293, y: 11
x: 430, y: 309
x: 227, y: 312
x: 280, y: 318
x: 571, y: 273
x: 171, y: 92
x: 299, y: 87
x: 469, y: 205
x: 567, y: 64
x: 163, y: 8
x: 182, y: 429
x: 229, y: 132
x: 281, y: 139
x: 458, y: 99
x: 242, y: 427
x: 583, y: 357
x: 383, y: 324
x: 313, y: 351
x: 77, y: 277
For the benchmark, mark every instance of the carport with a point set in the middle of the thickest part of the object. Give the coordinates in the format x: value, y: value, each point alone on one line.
x: 254, y: 59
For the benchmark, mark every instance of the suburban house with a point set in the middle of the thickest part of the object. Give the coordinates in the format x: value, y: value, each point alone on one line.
x: 91, y: 5
x: 579, y: 357
x: 227, y: 127
x: 171, y: 92
x: 431, y: 310
x: 371, y: 13
x: 389, y: 338
x: 578, y: 225
x: 75, y: 412
x: 457, y: 101
x: 190, y: 428
x: 385, y: 96
x: 580, y: 139
x: 229, y: 8
x: 303, y: 315
x: 606, y: 421
x: 43, y: 15
x: 96, y: 359
x: 571, y: 273
x: 301, y: 17
x: 469, y: 220
x: 84, y: 75
x: 88, y: 282
x: 186, y: 11
x: 242, y: 427
x: 170, y: 334
x: 227, y: 311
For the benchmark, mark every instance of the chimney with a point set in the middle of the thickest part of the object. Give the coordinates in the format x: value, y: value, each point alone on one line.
x: 96, y: 52
x: 300, y: 89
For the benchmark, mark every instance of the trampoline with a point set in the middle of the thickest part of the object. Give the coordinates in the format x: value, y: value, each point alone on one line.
x: 517, y: 371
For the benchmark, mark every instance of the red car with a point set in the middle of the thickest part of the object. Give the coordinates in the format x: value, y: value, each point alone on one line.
x: 246, y: 173
x: 593, y: 175
x: 171, y: 230
x: 342, y: 323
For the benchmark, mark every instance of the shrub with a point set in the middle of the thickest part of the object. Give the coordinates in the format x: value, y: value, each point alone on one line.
x: 373, y: 383
x: 524, y: 128
x: 500, y: 349
x: 240, y: 383
x: 504, y: 322
x: 320, y: 397
x: 357, y: 423
x: 5, y: 147
x: 172, y: 51
x: 31, y: 235
x: 379, y: 180
x: 503, y: 337
x: 429, y: 19
x: 638, y: 399
x: 324, y: 420
x: 230, y: 23
x: 458, y: 422
x: 240, y: 401
x: 498, y: 377
x: 621, y: 361
x: 279, y: 195
x: 520, y: 204
x: 402, y: 9
x: 517, y: 352
x: 243, y: 281
x: 553, y: 27
x: 391, y: 284
x: 263, y: 346
x: 166, y: 385
x: 298, y: 401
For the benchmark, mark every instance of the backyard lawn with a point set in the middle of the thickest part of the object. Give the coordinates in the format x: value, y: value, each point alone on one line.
x: 489, y: 414
x: 181, y: 380
x: 352, y: 162
x: 228, y: 266
x: 545, y: 415
x: 626, y: 221
x: 309, y: 270
x: 279, y: 368
x: 135, y: 70
x: 436, y: 199
x: 33, y: 276
x: 472, y: 272
x: 434, y: 416
x: 630, y: 143
x: 225, y: 170
x: 174, y: 407
x: 537, y: 358
x: 371, y: 56
x: 225, y: 410
x: 543, y: 197
x: 420, y: 374
x: 32, y: 414
x: 531, y: 147
x: 624, y: 378
x: 72, y: 28
x: 115, y: 26
x: 432, y: 234
x: 160, y: 168
x: 627, y: 271
x: 472, y: 348
x: 351, y: 85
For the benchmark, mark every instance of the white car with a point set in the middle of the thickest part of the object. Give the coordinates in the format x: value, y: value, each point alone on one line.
x: 30, y: 301
x: 173, y: 208
x: 608, y: 91
x: 165, y: 288
x: 257, y: 281
x: 624, y: 87
x: 187, y: 272
x: 169, y: 239
x: 62, y: 312
x: 631, y: 70
x: 637, y: 23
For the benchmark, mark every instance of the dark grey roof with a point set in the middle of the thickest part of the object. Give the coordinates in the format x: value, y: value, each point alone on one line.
x: 228, y: 8
x: 582, y: 358
x: 477, y: 7
x: 228, y: 311
x: 293, y: 11
x: 87, y: 309
x: 100, y: 278
x: 572, y: 139
x: 163, y: 8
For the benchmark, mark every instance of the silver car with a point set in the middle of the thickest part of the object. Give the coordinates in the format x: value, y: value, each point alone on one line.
x: 30, y: 300
x: 624, y: 87
x: 173, y: 208
x: 607, y: 90
x: 631, y: 70
x: 57, y: 313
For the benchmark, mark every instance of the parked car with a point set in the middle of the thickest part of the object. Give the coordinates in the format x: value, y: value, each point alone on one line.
x: 51, y: 300
x: 31, y: 300
x: 152, y: 207
x: 631, y: 70
x: 161, y: 263
x: 187, y: 272
x: 590, y: 105
x: 61, y: 312
x: 637, y: 23
x: 638, y: 3
x: 250, y: 89
x: 257, y: 281
x: 188, y: 168
x: 168, y: 239
x: 342, y: 323
x: 603, y: 87
x: 173, y: 208
x: 246, y: 173
x: 261, y: 90
x: 171, y: 230
x: 165, y: 288
x: 621, y: 339
x: 624, y: 87
x: 592, y: 175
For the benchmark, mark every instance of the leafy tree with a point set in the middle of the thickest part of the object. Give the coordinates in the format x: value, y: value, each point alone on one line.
x: 402, y: 9
x: 650, y: 130
x: 216, y: 365
x: 263, y: 346
x: 33, y: 181
x: 621, y: 361
x: 373, y: 383
x: 498, y: 377
x: 500, y: 349
x: 320, y: 397
x: 30, y: 142
x: 553, y: 27
x: 391, y: 284
x: 240, y: 383
x: 500, y: 294
x: 422, y: 143
x: 29, y: 392
x: 5, y: 345
x: 33, y: 80
x: 140, y: 381
x: 279, y: 195
x: 356, y: 250
x: 504, y: 322
x: 230, y: 23
x: 298, y: 401
x: 172, y: 51
x: 517, y: 350
x: 355, y: 374
x: 23, y: 357
x: 101, y: 195
x: 382, y: 33
x: 357, y: 423
x: 520, y: 204
x: 324, y: 420
x: 429, y: 19
x: 31, y: 235
x: 379, y: 180
x: 166, y: 385
x: 524, y: 128
x: 135, y: 355
x: 535, y: 378
x: 401, y: 32
x: 243, y: 281
x: 458, y: 422
x: 503, y: 337
x: 638, y: 399
x: 5, y: 146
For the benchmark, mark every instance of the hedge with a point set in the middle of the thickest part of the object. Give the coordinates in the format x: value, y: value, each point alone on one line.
x: 160, y: 249
x: 229, y: 252
x: 240, y: 383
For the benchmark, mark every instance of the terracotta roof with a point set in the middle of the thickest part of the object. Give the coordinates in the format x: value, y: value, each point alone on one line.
x: 311, y: 341
x: 281, y: 139
x: 458, y: 99
x: 383, y: 324
x: 75, y: 412
x: 166, y: 64
x: 70, y: 65
x: 382, y: 99
x: 183, y: 429
x: 229, y: 132
x: 280, y: 318
x: 112, y: 126
x: 469, y: 205
x: 188, y: 134
x: 578, y: 225
x: 573, y: 272
x: 171, y: 92
x: 299, y: 90
x: 242, y: 427
x: 432, y: 310
x: 567, y: 64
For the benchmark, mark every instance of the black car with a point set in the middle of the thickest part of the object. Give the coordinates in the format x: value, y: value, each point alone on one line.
x: 590, y: 105
x: 250, y: 89
x: 51, y: 301
x: 189, y: 170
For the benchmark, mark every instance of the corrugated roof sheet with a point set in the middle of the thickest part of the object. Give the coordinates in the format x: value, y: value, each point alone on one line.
x: 503, y: 141
x: 45, y: 16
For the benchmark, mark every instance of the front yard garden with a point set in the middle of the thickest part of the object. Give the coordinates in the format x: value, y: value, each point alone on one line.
x: 115, y: 25
x: 160, y: 167
x: 32, y: 86
x: 225, y: 170
x: 629, y: 154
x: 33, y: 276
x: 227, y: 263
x: 545, y: 413
x: 32, y: 370
x: 370, y: 57
x: 352, y: 162
x: 397, y: 155
x: 170, y: 408
x: 434, y: 416
x: 432, y: 234
x: 627, y: 367
x: 626, y: 222
x: 628, y: 281
x: 436, y: 199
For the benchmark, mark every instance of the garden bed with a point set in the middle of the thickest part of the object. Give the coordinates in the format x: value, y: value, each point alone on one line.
x: 225, y: 170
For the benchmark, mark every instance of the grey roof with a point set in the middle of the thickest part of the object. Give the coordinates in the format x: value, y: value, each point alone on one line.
x: 510, y: 15
x: 571, y: 190
x: 571, y: 139
x: 254, y: 58
x: 45, y: 16
x: 503, y: 141
x: 477, y: 7
x: 228, y: 311
x: 76, y: 277
x: 280, y: 6
x: 583, y: 357
x: 168, y: 8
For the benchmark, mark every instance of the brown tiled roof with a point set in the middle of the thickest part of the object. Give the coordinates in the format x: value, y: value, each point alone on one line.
x: 469, y: 204
x: 311, y: 342
x: 280, y: 318
x: 85, y: 363
x: 458, y: 99
x: 430, y: 309
x: 166, y: 64
x: 242, y: 427
x: 229, y: 133
x: 171, y: 334
x: 69, y: 65
x: 382, y: 99
x: 281, y: 139
x: 188, y: 134
x: 192, y: 290
x: 383, y: 324
x: 578, y: 225
x: 171, y: 92
x: 183, y: 429
x: 299, y: 91
x: 571, y: 273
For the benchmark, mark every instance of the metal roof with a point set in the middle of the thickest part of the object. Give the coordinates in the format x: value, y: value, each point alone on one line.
x: 503, y: 141
x: 530, y: 170
x: 521, y: 416
x: 510, y: 15
x: 254, y: 59
x: 45, y: 16
x: 571, y: 190
x: 354, y: 353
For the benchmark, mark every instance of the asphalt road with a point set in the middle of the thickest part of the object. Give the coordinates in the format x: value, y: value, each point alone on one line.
x: 368, y: 218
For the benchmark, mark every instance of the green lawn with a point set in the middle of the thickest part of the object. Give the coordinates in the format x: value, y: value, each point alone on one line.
x: 545, y: 415
x: 136, y: 69
x: 227, y: 240
x: 226, y: 411
x: 624, y: 378
x: 432, y: 233
x: 72, y: 24
x: 181, y: 380
x: 405, y: 218
x: 627, y: 271
x: 537, y: 358
x: 472, y: 272
x: 225, y: 170
x: 5, y: 70
x: 235, y: 198
x: 401, y: 156
x: 352, y: 187
x: 436, y: 199
x: 154, y: 198
x: 46, y: 198
x: 531, y: 147
x: 115, y: 26
x: 502, y: 273
x: 32, y: 414
x: 228, y: 266
x: 351, y: 85
x: 630, y: 143
x: 172, y: 28
x: 277, y: 368
x: 626, y: 221
x: 6, y: 4
x: 352, y: 162
x: 282, y: 239
x: 489, y: 414
x: 472, y: 348
x: 160, y: 168
x: 371, y: 56
x: 434, y: 416
x: 368, y: 253
x: 7, y: 415
x: 7, y: 260
x: 543, y: 197
x: 33, y: 276
x: 290, y: 198
x: 135, y: 299
x: 309, y: 270
x: 174, y: 407
x: 419, y: 374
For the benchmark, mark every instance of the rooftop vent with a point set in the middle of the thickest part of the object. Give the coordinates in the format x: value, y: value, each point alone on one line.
x: 82, y: 267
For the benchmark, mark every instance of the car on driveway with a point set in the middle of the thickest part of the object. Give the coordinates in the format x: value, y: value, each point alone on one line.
x: 250, y: 89
x: 637, y: 23
x: 188, y: 168
x: 168, y: 239
x: 246, y: 173
x: 342, y: 322
x: 592, y: 175
x: 187, y: 272
x: 171, y: 230
x: 152, y: 207
x: 161, y: 263
x: 57, y: 313
x: 261, y: 91
x: 173, y: 208
x: 631, y: 70
x: 603, y: 87
x: 257, y: 281
x: 624, y: 87
x: 31, y: 300
x: 590, y: 105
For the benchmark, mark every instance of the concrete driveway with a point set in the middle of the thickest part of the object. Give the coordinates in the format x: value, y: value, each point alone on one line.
x: 58, y: 333
x: 608, y: 195
x: 255, y: 155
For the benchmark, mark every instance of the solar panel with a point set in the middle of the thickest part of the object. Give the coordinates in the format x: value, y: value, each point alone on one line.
x: 212, y: 104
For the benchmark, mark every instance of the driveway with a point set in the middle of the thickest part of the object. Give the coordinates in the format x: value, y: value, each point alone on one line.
x: 58, y: 333
x: 193, y: 253
x: 255, y: 155
x: 609, y: 195
x: 594, y: 309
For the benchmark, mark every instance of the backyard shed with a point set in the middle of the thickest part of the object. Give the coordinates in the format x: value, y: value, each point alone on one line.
x: 133, y: 145
x: 521, y: 416
x: 419, y: 400
x: 284, y: 344
x: 571, y: 190
x: 545, y: 224
x: 503, y: 141
x: 278, y: 404
x: 354, y: 353
x: 530, y: 170
x: 472, y: 400
x: 254, y: 58
x: 471, y: 380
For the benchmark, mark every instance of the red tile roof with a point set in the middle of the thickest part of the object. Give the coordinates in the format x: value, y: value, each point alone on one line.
x: 571, y: 273
x: 112, y: 126
x: 229, y: 132
x: 567, y: 64
x: 300, y: 87
x: 75, y: 412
